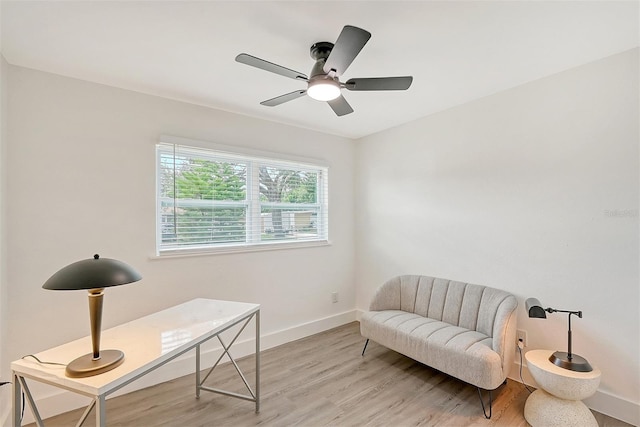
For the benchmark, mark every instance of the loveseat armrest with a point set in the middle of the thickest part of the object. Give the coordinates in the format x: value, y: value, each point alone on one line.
x: 504, y: 331
x: 387, y: 297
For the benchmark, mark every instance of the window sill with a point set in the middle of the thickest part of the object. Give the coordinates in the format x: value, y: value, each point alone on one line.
x: 194, y: 252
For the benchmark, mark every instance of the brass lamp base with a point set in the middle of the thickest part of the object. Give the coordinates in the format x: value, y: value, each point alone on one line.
x: 87, y: 366
x: 575, y: 363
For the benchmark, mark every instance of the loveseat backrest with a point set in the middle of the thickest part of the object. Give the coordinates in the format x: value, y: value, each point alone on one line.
x: 470, y: 306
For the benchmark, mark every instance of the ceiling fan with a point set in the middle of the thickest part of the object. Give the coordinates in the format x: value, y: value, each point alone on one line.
x: 332, y: 60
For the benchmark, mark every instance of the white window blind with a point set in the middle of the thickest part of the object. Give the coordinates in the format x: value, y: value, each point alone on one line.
x: 210, y: 200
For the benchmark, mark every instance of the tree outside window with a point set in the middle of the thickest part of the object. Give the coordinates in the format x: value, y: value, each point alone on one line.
x: 207, y: 200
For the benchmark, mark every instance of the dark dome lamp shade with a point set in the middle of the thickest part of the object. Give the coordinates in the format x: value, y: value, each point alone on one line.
x: 564, y: 359
x: 93, y: 275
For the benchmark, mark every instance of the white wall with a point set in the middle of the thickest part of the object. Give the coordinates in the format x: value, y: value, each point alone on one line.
x: 81, y: 162
x: 533, y: 190
x: 5, y: 394
x: 5, y: 374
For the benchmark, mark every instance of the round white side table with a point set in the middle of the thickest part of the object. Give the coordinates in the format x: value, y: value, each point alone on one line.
x: 558, y: 401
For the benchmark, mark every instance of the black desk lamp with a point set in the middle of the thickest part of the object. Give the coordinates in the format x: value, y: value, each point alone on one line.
x: 94, y: 275
x: 566, y: 360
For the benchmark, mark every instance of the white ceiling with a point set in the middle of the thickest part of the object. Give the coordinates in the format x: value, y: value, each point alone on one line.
x: 456, y: 51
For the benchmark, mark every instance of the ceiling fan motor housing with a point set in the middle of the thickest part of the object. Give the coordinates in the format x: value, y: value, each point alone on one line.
x: 321, y: 50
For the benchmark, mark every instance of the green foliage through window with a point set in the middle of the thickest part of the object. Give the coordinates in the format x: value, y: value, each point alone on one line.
x: 209, y: 199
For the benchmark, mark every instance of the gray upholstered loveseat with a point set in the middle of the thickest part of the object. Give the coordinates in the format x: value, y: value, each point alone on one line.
x: 464, y: 330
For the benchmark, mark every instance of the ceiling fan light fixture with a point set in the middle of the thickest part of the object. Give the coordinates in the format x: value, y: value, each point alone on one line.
x: 324, y: 89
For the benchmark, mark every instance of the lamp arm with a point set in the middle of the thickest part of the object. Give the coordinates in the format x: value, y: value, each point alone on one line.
x: 553, y: 310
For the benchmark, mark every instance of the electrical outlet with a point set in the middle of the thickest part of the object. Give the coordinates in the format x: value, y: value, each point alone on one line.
x: 521, y: 336
x: 334, y: 297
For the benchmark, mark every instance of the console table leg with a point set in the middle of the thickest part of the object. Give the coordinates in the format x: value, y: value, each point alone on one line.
x: 198, y: 384
x: 257, y: 361
x: 101, y: 416
x: 17, y: 402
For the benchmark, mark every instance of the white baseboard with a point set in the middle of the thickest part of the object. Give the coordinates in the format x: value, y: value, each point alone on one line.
x: 58, y: 401
x: 615, y: 406
x: 601, y: 401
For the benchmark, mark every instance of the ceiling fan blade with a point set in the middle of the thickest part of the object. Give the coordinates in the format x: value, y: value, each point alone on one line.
x: 379, y: 83
x: 270, y: 66
x: 349, y: 44
x: 340, y: 106
x: 283, y: 98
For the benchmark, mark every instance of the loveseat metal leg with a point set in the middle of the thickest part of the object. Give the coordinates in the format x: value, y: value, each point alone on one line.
x: 482, y: 403
x: 365, y: 346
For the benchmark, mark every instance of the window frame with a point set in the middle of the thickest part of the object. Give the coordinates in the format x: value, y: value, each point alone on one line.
x: 252, y: 158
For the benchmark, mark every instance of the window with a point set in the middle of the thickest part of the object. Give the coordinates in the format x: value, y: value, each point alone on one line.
x: 211, y: 200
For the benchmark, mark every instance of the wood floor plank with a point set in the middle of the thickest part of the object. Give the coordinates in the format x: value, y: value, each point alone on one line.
x: 321, y: 380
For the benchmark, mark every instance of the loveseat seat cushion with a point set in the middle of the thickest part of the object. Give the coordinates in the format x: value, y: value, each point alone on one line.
x: 457, y: 351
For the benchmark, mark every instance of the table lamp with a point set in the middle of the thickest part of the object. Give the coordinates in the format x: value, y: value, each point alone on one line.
x: 93, y: 275
x: 566, y: 360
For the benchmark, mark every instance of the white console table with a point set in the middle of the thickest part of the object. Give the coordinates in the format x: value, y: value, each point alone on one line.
x: 147, y: 343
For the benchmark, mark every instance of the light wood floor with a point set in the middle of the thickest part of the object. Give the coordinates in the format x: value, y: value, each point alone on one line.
x: 321, y: 381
